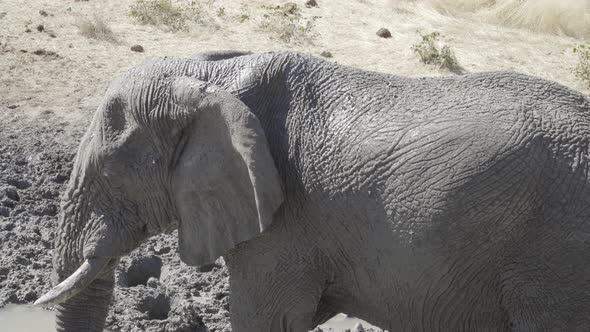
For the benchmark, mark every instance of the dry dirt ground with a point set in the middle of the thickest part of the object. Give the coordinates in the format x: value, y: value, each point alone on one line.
x: 52, y: 79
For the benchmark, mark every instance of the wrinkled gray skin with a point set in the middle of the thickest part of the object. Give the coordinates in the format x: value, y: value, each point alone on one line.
x: 432, y: 204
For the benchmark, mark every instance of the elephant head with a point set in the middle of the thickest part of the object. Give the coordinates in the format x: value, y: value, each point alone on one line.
x: 162, y: 151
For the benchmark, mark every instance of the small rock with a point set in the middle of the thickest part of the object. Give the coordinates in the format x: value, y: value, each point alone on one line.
x: 220, y: 295
x: 7, y: 202
x: 326, y: 54
x: 153, y: 282
x: 31, y: 296
x: 49, y: 194
x: 358, y: 328
x: 21, y: 162
x: 47, y: 210
x: 162, y: 250
x: 11, y: 193
x: 40, y: 28
x: 27, y: 30
x: 21, y: 260
x: 137, y: 48
x: 19, y: 183
x: 12, y: 106
x: 384, y: 33
x: 8, y: 226
x: 52, y: 35
x: 318, y: 329
x: 59, y: 178
x: 43, y: 13
x: 5, y: 212
x: 311, y: 3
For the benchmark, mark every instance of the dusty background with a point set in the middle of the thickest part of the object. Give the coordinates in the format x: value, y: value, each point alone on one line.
x: 52, y: 78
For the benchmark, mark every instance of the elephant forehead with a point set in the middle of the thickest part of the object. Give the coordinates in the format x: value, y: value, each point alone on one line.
x: 137, y: 99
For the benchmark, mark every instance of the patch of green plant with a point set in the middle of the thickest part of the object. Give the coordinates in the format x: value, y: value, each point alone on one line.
x: 243, y: 18
x: 286, y: 24
x: 221, y: 12
x: 431, y: 53
x: 582, y: 69
x: 165, y: 13
x: 96, y: 29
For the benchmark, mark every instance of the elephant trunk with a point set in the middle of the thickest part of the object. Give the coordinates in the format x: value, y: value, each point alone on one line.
x: 87, y: 311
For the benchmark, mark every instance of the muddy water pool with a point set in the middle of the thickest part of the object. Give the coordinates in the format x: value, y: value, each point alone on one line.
x: 22, y: 318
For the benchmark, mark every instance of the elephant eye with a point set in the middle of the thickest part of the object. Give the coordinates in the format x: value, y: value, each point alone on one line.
x: 114, y: 120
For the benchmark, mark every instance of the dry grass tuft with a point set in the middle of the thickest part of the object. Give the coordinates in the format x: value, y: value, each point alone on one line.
x: 582, y: 69
x: 96, y: 29
x: 286, y: 24
x: 430, y: 52
x: 166, y: 14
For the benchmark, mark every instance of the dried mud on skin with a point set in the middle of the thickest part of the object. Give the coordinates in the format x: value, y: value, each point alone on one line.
x: 154, y: 292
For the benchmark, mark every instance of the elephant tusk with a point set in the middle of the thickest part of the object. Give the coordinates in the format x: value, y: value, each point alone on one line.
x: 75, y: 283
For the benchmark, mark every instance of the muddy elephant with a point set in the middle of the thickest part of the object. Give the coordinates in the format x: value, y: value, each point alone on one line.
x: 416, y: 204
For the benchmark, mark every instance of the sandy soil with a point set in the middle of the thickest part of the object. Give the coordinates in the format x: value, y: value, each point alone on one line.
x: 52, y: 80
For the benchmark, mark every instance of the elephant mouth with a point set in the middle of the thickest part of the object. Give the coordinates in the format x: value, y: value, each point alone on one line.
x: 77, y: 282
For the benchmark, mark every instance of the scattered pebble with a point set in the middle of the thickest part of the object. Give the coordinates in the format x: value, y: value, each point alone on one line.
x: 137, y: 48
x: 8, y: 226
x: 31, y: 296
x: 11, y: 193
x: 59, y: 178
x: 311, y: 3
x: 384, y: 33
x: 46, y: 53
x: 162, y: 250
x: 19, y: 183
x: 153, y: 282
x: 7, y: 202
x: 326, y: 54
x: 47, y: 210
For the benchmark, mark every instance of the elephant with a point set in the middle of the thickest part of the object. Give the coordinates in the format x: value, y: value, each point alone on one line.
x: 457, y: 203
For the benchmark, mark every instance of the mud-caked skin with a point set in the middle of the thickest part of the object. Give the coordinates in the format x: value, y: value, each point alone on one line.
x: 417, y: 204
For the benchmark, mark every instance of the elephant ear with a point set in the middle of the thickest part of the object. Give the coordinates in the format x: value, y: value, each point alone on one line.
x: 226, y: 185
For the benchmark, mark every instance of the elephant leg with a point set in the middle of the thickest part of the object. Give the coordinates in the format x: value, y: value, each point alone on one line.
x: 281, y: 297
x: 546, y: 282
